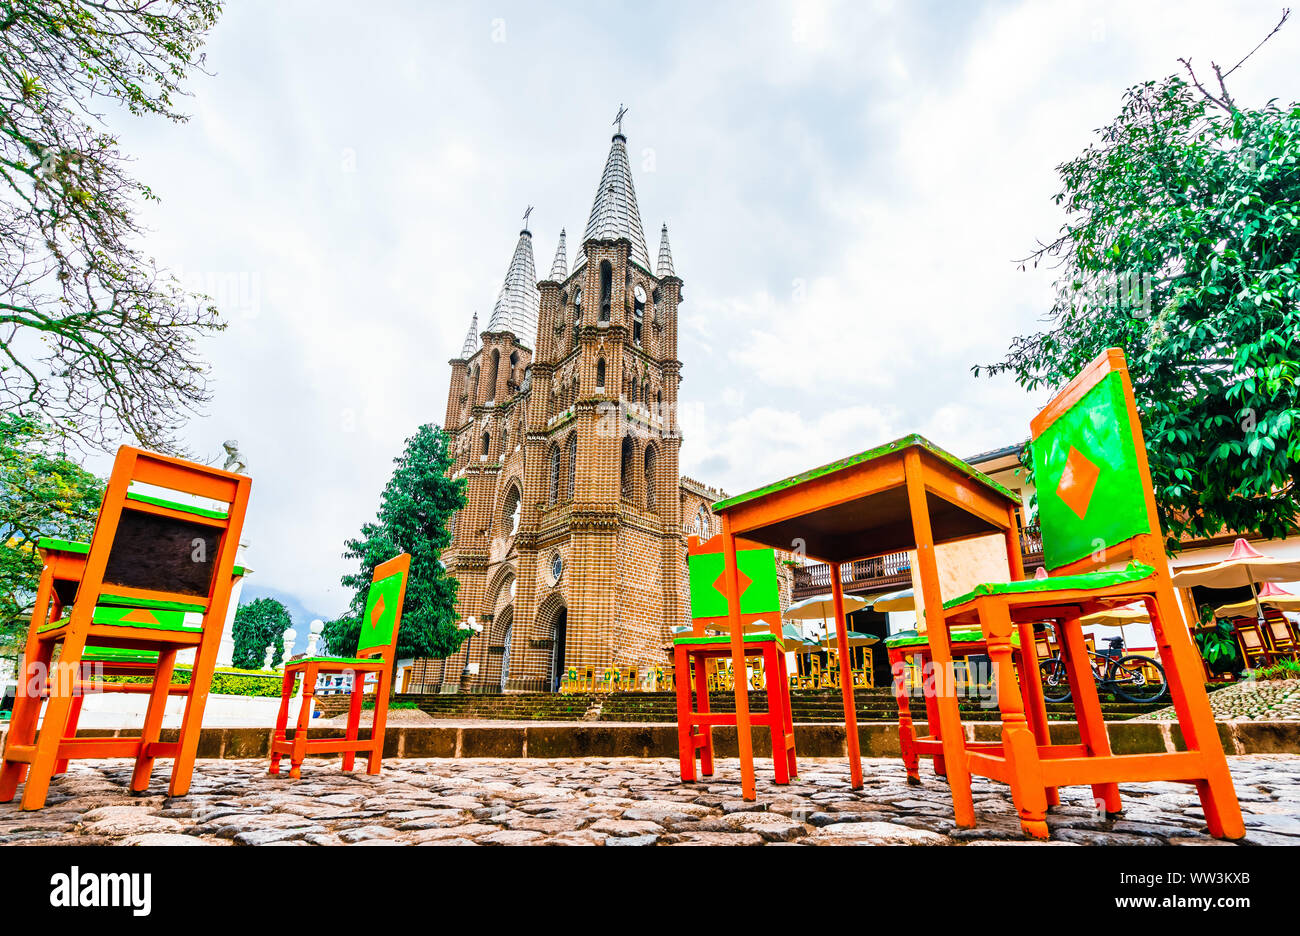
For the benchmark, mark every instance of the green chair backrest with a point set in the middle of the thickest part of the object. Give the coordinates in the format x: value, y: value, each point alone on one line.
x: 379, y: 622
x: 761, y: 596
x: 1091, y: 491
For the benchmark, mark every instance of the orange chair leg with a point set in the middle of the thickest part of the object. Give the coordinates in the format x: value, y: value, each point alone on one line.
x: 787, y: 720
x: 1019, y: 746
x: 702, y: 706
x: 354, y: 726
x: 62, y: 684
x: 1031, y: 685
x: 775, y: 714
x: 153, y: 719
x: 304, y: 717
x: 906, y: 730
x: 281, y: 719
x: 685, y: 731
x: 74, y: 717
x: 27, y: 709
x: 384, y: 685
x: 1087, y: 707
x: 1182, y: 670
x: 196, y: 700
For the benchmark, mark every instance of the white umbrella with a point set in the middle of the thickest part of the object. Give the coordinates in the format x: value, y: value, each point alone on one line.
x: 903, y: 600
x: 822, y: 608
x: 1245, y: 566
x: 1118, y: 617
x: 1270, y: 594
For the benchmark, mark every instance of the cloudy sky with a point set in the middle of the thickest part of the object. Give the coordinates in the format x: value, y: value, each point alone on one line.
x: 846, y: 186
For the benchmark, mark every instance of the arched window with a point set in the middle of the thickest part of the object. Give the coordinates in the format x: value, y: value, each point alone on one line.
x: 631, y: 391
x: 510, y: 511
x: 638, y: 313
x: 645, y: 393
x: 553, y: 486
x: 487, y: 443
x: 492, y: 375
x: 702, y: 523
x: 577, y: 315
x: 650, y: 462
x: 600, y: 374
x: 572, y: 458
x: 627, y: 482
x: 514, y: 363
x: 606, y: 288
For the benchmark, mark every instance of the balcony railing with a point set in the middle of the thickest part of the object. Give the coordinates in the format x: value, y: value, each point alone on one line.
x: 889, y: 572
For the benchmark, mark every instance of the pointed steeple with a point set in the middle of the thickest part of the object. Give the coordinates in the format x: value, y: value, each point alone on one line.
x: 560, y: 265
x: 665, y: 265
x: 516, y: 307
x: 614, y: 213
x: 471, y: 340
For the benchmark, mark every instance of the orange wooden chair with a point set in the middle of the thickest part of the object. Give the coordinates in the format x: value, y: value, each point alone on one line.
x: 1096, y: 508
x: 151, y: 563
x: 376, y: 653
x: 760, y: 605
x: 64, y: 564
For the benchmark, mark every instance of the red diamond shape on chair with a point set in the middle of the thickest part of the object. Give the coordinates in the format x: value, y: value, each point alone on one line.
x: 377, y: 613
x: 741, y: 577
x: 1078, y: 481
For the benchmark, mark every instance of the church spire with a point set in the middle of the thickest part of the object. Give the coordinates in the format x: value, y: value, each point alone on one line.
x: 471, y: 339
x: 665, y: 265
x: 516, y: 307
x: 560, y: 265
x: 614, y: 213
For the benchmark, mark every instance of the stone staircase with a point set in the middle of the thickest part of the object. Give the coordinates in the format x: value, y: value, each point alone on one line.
x: 815, y: 705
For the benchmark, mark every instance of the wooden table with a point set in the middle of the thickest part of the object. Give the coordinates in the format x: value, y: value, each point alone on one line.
x: 907, y: 494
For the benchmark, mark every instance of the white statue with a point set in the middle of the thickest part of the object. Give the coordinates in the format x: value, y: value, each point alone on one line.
x: 314, y: 636
x: 270, y: 654
x: 234, y: 458
x: 289, y: 637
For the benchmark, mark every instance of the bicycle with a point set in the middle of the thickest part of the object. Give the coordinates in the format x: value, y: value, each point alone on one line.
x: 1132, y: 677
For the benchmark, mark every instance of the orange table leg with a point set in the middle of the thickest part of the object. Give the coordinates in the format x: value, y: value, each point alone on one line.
x: 846, y: 679
x: 74, y: 716
x: 1087, y: 706
x: 740, y: 685
x: 153, y: 719
x: 950, y: 727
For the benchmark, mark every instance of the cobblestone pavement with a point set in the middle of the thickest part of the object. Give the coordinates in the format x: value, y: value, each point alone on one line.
x: 1251, y: 700
x: 595, y: 801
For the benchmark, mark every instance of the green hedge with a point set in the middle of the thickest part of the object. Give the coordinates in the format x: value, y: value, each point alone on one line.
x: 252, y: 683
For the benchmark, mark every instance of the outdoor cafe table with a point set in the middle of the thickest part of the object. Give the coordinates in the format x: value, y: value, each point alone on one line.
x: 908, y: 494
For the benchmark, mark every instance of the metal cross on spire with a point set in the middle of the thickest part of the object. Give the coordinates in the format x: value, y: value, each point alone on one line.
x: 527, y: 212
x: 618, y: 118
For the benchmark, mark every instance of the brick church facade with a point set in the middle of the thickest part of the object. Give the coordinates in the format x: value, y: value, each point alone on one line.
x: 571, y: 548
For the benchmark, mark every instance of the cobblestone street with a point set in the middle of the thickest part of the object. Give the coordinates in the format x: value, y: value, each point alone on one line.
x: 607, y: 802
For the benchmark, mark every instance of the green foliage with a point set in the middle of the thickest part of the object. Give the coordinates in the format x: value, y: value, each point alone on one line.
x: 1218, y: 646
x: 1182, y: 246
x: 369, y: 703
x: 94, y: 338
x: 258, y: 625
x: 42, y: 493
x: 413, y: 515
x: 1282, y: 669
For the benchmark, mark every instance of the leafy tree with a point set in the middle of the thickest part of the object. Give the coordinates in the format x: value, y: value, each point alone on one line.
x: 413, y: 514
x: 93, y: 336
x: 42, y: 493
x: 1182, y: 246
x: 258, y: 625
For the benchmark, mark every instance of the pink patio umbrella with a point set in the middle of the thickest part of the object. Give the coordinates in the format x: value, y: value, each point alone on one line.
x: 1245, y: 566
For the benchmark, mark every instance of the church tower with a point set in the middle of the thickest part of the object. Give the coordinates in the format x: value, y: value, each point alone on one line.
x: 570, y: 550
